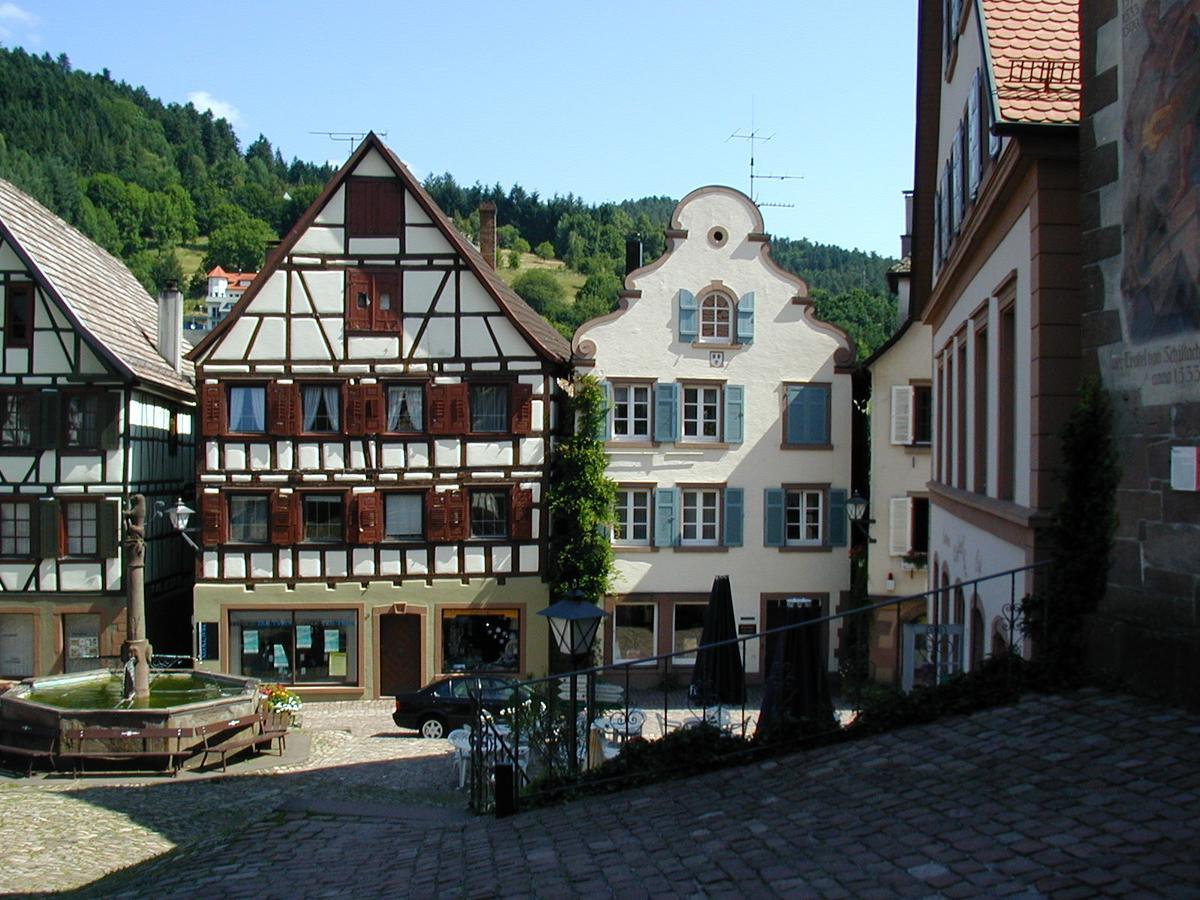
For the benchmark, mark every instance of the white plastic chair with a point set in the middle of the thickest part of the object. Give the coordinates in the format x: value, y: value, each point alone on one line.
x: 460, y: 740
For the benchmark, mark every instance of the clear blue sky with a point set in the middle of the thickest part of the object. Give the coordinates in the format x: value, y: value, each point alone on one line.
x: 608, y: 100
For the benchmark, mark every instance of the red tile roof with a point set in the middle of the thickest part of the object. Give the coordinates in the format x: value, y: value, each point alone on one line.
x: 238, y: 281
x: 1035, y: 59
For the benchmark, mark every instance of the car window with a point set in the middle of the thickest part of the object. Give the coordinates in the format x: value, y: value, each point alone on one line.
x: 445, y: 689
x: 462, y: 688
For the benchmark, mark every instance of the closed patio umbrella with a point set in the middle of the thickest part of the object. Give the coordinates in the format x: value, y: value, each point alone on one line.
x: 717, y: 676
x: 796, y: 695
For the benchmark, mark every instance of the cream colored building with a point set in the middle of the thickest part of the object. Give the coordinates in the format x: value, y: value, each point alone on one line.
x: 728, y: 433
x: 377, y: 412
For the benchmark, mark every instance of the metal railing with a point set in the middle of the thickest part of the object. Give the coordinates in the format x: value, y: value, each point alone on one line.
x: 551, y: 729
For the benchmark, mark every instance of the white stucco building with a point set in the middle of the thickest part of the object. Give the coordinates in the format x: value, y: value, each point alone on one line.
x: 728, y: 433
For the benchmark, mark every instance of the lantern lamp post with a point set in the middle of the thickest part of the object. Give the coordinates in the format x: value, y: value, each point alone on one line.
x: 574, y: 622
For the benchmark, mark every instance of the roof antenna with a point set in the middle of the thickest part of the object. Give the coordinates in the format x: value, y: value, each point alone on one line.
x: 750, y: 138
x: 352, y: 138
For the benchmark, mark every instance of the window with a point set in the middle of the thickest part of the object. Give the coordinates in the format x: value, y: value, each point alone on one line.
x: 16, y: 645
x: 248, y: 519
x: 15, y: 532
x: 323, y: 518
x: 980, y: 432
x: 295, y: 646
x: 248, y: 409
x: 489, y: 514
x: 806, y: 415
x: 635, y: 632
x: 960, y: 412
x: 402, y: 520
x: 911, y: 411
x: 322, y: 408
x: 803, y: 517
x: 489, y: 408
x: 1006, y: 414
x: 80, y: 527
x: 701, y: 517
x: 922, y: 414
x: 631, y: 412
x: 82, y: 420
x: 481, y: 640
x: 701, y: 413
x: 908, y: 528
x: 405, y: 403
x: 633, y: 518
x: 372, y: 300
x: 16, y: 420
x: 81, y: 633
x: 18, y: 321
x: 716, y: 314
x: 689, y: 626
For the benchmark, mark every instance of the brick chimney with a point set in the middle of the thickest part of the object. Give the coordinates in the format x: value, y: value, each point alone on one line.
x: 487, y: 231
x: 169, y: 339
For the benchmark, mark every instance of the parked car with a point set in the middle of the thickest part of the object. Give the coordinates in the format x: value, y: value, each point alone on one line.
x: 446, y: 704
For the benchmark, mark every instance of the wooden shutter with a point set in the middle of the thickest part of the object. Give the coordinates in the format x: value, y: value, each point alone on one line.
x: 688, y: 317
x: 838, y: 523
x: 435, y: 515
x: 214, y: 523
x: 368, y: 518
x: 446, y: 516
x: 974, y: 153
x: 108, y: 528
x: 774, y: 501
x: 735, y: 406
x: 521, y: 411
x: 374, y: 401
x: 49, y: 420
x: 214, y: 411
x: 604, y: 423
x: 283, y: 408
x: 385, y: 301
x: 108, y: 420
x: 733, y: 517
x: 899, y: 525
x: 354, y: 421
x: 521, y: 503
x: 807, y: 414
x: 902, y: 414
x: 49, y: 529
x: 745, y: 319
x: 448, y: 409
x: 666, y: 406
x: 666, y: 517
x: 956, y: 179
x: 358, y: 300
x: 937, y: 231
x: 458, y: 522
x: 349, y: 519
x: 372, y: 206
x: 284, y: 518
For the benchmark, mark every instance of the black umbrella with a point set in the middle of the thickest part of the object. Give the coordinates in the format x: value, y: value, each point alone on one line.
x: 717, y: 676
x: 796, y: 698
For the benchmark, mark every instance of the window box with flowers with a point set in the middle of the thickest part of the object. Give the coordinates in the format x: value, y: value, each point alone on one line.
x: 914, y: 560
x: 280, y: 704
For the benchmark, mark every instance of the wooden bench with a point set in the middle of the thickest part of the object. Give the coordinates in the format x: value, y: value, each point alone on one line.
x: 28, y: 742
x: 162, y: 745
x: 245, y: 732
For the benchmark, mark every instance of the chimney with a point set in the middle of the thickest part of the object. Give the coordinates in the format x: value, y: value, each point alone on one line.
x: 487, y: 232
x: 170, y: 325
x: 633, y: 253
x: 906, y: 238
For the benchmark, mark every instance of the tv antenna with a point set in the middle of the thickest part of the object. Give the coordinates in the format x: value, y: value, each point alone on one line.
x: 751, y: 138
x: 352, y: 138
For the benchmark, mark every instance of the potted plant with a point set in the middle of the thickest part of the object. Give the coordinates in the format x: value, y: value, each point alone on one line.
x: 914, y: 560
x: 282, y: 703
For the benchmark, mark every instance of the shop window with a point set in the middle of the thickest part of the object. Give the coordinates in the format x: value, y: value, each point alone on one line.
x: 16, y: 419
x: 489, y: 514
x: 635, y: 632
x: 489, y: 408
x: 323, y: 517
x: 15, y: 530
x: 322, y: 406
x: 295, y: 646
x: 688, y: 627
x: 81, y: 639
x: 16, y: 645
x: 248, y: 519
x: 633, y: 518
x: 477, y: 640
x: 248, y: 409
x: 405, y: 404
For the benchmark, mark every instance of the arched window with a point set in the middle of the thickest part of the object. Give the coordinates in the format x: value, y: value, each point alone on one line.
x: 716, y: 318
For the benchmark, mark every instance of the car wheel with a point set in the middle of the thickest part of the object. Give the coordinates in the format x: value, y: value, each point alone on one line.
x: 433, y: 727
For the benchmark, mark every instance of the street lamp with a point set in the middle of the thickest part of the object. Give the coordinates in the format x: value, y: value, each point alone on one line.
x: 574, y: 623
x: 856, y: 510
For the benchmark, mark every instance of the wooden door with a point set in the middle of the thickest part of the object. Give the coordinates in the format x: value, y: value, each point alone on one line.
x: 399, y: 654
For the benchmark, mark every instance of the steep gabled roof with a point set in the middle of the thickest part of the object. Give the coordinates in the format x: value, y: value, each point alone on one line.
x: 542, y: 336
x: 94, y: 289
x: 1034, y: 49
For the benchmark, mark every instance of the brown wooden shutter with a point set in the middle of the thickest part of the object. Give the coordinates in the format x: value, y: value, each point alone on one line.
x: 387, y: 207
x: 349, y: 519
x: 439, y: 409
x: 435, y: 515
x: 358, y: 300
x: 108, y: 420
x: 458, y: 524
x: 457, y: 405
x: 284, y: 518
x: 522, y: 409
x: 522, y: 514
x: 214, y: 523
x: 214, y: 416
x: 374, y: 408
x: 385, y: 296
x: 368, y: 519
x: 49, y: 530
x: 354, y: 421
x: 283, y: 407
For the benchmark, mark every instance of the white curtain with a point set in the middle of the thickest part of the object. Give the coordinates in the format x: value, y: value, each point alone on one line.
x: 321, y: 408
x: 489, y: 408
x: 249, y: 406
x: 404, y: 408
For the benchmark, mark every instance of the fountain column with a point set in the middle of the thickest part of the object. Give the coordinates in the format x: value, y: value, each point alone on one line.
x: 136, y: 647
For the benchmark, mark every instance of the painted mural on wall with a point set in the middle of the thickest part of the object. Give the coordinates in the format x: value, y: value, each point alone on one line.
x: 1160, y: 184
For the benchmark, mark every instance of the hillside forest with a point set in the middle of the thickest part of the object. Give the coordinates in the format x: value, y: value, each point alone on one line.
x: 169, y: 189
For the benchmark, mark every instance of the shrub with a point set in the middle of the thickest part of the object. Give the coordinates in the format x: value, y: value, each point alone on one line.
x: 539, y: 288
x: 545, y: 250
x: 513, y: 259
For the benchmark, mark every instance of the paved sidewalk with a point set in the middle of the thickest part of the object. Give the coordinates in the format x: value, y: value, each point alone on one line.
x: 1064, y: 796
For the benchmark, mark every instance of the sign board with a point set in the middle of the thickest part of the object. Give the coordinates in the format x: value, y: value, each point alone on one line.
x: 1185, y: 468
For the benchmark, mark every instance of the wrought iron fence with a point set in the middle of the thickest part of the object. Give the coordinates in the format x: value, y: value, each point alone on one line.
x: 545, y: 732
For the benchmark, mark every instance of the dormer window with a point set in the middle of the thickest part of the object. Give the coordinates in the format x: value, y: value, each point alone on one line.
x: 716, y: 318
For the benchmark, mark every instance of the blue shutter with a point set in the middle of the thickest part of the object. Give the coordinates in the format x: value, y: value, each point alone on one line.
x: 837, y: 522
x: 974, y: 154
x: 773, y: 503
x: 733, y: 517
x: 745, y: 319
x: 816, y: 414
x: 604, y: 431
x: 666, y: 517
x: 666, y: 407
x: 688, y: 317
x: 735, y: 410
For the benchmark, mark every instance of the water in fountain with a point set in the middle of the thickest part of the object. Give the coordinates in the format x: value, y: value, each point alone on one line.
x: 105, y: 691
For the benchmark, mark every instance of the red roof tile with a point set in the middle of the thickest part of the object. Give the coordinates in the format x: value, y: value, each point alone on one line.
x: 1035, y: 59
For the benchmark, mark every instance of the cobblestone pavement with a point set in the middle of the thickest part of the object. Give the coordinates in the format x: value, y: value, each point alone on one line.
x: 1064, y: 796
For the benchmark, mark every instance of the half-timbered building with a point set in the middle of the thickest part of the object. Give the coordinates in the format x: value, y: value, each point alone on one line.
x: 95, y: 404
x: 376, y: 420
